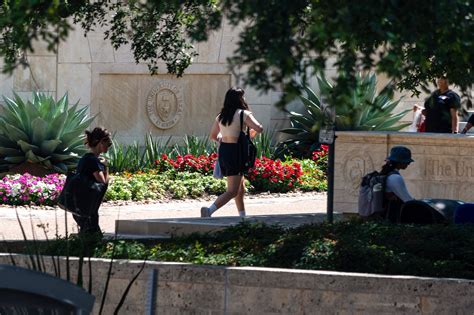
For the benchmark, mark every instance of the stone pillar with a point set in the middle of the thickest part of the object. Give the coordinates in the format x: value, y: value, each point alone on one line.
x: 357, y: 153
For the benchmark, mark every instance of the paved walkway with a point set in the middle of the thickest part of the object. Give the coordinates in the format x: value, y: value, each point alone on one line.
x: 53, y: 219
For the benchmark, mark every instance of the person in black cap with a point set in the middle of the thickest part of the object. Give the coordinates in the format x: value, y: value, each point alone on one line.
x: 396, y: 192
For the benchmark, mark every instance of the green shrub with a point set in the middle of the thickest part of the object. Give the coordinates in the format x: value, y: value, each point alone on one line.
x: 178, y: 190
x: 123, y: 250
x: 119, y: 189
x: 313, y: 176
x: 215, y: 186
x: 346, y: 246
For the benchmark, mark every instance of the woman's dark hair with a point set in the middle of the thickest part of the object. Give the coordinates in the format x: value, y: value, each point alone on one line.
x: 234, y: 99
x: 389, y: 166
x: 97, y: 135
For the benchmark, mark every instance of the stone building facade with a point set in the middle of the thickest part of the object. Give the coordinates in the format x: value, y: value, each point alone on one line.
x: 132, y: 103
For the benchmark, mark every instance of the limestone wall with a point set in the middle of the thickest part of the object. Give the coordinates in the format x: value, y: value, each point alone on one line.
x: 130, y: 102
x: 190, y: 289
x: 443, y: 167
x: 127, y: 99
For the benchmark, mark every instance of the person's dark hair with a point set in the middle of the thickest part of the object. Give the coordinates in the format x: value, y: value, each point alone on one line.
x: 234, y: 99
x: 97, y: 135
x: 388, y: 167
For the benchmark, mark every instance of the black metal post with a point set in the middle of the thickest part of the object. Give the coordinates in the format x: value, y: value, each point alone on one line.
x: 330, y: 176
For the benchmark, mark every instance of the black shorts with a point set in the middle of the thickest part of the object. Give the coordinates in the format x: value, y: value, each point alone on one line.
x: 229, y: 159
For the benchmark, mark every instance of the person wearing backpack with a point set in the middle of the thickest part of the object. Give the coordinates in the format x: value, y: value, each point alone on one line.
x: 396, y: 192
x: 233, y: 118
x: 383, y: 193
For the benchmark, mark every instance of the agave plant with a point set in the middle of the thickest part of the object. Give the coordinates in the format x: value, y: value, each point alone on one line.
x: 367, y: 110
x: 42, y: 131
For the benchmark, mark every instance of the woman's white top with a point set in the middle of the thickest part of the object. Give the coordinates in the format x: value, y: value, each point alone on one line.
x: 396, y: 184
x: 233, y: 129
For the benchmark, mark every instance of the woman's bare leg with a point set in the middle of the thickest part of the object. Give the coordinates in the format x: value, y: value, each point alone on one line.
x: 239, y: 199
x: 233, y: 187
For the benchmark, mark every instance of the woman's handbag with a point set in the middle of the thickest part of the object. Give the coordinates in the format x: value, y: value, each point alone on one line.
x: 81, y: 196
x: 217, y: 173
x: 67, y: 199
x: 247, y: 150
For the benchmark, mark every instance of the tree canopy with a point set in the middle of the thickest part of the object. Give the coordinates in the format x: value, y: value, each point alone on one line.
x: 282, y: 41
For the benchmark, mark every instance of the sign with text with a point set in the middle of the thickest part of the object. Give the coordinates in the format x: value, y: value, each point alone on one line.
x: 326, y: 134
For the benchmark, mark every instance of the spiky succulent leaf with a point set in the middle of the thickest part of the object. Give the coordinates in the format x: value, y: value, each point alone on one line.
x: 15, y: 159
x: 48, y: 147
x: 39, y: 126
x: 10, y: 151
x: 367, y: 110
x: 14, y: 133
x: 42, y: 131
x: 33, y: 158
x: 61, y: 167
x: 64, y: 157
x: 25, y: 147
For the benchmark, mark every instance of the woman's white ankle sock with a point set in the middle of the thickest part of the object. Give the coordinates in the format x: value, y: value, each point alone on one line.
x: 242, y: 213
x: 212, y: 209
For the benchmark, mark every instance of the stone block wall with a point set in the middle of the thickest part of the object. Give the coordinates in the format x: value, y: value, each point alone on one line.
x: 443, y: 167
x: 191, y: 289
x: 127, y: 99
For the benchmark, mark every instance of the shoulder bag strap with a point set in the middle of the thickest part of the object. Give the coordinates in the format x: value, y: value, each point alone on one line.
x: 241, y: 119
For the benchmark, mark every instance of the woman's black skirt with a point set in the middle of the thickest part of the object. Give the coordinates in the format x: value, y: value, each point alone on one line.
x: 229, y: 159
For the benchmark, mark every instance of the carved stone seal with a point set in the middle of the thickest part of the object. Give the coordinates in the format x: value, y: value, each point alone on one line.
x: 165, y: 103
x: 356, y: 165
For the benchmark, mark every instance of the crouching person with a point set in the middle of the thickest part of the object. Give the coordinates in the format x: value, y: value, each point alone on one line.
x: 396, y: 192
x: 382, y: 194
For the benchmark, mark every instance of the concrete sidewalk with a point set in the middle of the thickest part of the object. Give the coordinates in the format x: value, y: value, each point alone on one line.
x: 53, y: 220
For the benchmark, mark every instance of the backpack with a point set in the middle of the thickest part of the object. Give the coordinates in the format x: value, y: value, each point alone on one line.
x: 247, y: 150
x: 372, y: 194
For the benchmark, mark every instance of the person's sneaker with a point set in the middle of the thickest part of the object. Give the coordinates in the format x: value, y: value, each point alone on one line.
x: 205, y: 212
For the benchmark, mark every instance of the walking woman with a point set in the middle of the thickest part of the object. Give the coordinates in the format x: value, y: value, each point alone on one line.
x: 92, y: 179
x: 227, y: 123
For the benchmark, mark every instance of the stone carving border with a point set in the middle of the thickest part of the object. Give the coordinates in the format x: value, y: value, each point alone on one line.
x: 355, y: 165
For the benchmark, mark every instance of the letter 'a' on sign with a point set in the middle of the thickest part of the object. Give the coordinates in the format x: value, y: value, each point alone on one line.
x: 326, y: 135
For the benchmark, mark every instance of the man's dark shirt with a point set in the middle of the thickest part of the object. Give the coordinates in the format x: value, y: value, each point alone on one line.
x: 438, y: 114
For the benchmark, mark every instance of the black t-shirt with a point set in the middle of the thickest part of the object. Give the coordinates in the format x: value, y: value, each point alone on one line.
x: 438, y: 114
x: 88, y: 165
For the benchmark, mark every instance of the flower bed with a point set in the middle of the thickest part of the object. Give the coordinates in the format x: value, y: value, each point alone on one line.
x: 183, y: 177
x: 27, y: 189
x: 274, y: 176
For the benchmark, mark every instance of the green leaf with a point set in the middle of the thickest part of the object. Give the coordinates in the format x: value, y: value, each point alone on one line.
x: 15, y: 159
x: 25, y: 147
x: 33, y: 158
x: 14, y: 133
x: 63, y: 157
x: 10, y: 152
x: 60, y: 167
x: 48, y: 147
x: 39, y: 128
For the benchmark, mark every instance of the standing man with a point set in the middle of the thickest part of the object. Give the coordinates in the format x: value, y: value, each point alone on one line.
x: 442, y: 109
